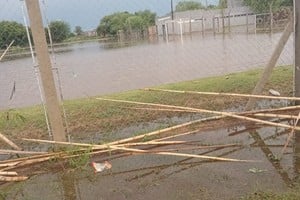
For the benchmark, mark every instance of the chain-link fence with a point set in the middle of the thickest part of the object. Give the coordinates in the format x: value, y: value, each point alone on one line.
x: 90, y: 61
x: 107, y: 56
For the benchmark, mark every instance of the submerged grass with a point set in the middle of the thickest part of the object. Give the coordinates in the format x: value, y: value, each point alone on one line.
x: 90, y: 115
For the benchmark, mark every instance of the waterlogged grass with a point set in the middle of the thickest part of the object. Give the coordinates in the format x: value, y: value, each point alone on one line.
x: 90, y: 115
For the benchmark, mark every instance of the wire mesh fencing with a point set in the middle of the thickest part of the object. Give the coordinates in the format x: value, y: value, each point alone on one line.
x: 91, y: 61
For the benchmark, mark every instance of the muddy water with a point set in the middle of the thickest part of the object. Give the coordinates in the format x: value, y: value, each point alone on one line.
x: 95, y: 68
x: 166, y: 177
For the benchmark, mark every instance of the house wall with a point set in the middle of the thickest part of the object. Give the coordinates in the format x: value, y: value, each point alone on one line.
x: 207, y: 20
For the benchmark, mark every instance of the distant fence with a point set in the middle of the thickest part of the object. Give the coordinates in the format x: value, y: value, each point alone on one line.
x: 240, y: 20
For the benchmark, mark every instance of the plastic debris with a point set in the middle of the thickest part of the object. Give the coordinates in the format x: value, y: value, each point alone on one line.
x: 255, y: 170
x: 274, y: 92
x: 99, y: 167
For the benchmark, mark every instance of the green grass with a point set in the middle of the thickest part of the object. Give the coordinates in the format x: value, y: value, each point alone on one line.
x: 91, y: 115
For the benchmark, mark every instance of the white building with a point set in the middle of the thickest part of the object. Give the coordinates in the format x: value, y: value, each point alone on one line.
x: 236, y: 15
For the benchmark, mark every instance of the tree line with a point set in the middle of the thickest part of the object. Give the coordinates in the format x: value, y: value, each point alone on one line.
x: 126, y: 22
x: 11, y: 30
x: 261, y: 6
x: 120, y: 21
x: 60, y: 30
x: 108, y: 26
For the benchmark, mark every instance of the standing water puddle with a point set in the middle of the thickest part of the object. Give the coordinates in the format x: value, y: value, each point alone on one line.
x: 168, y: 177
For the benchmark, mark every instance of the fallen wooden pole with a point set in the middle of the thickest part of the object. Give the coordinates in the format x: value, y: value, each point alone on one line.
x: 198, y: 121
x: 9, y: 164
x: 177, y: 135
x: 2, y: 151
x: 180, y: 154
x: 13, y: 179
x: 266, y: 74
x: 225, y: 94
x: 104, y: 146
x: 28, y: 162
x: 117, y: 147
x: 9, y: 142
x: 159, y: 132
x: 291, y: 134
x: 206, y: 111
x: 198, y: 148
x: 275, y: 116
x: 6, y: 50
x: 272, y: 110
x: 155, y: 143
x: 190, y: 111
x: 8, y: 173
x: 65, y: 143
x: 31, y: 157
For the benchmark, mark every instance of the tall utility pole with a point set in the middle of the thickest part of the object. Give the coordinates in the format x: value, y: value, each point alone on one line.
x: 297, y: 48
x: 41, y: 47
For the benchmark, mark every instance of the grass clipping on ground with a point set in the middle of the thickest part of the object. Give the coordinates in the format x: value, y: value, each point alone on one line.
x: 90, y: 115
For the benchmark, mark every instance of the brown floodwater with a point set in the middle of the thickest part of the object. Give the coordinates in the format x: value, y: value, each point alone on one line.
x: 96, y: 68
x: 140, y: 177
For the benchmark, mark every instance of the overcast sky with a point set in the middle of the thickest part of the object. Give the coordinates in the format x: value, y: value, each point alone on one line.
x: 87, y: 13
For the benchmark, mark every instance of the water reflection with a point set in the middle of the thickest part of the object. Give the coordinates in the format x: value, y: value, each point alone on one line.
x: 153, y: 176
x: 69, y: 186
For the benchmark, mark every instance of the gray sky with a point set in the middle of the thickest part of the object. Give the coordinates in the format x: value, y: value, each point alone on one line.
x: 87, y: 13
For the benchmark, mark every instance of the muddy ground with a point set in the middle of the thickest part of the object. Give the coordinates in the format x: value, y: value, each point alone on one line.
x: 169, y: 177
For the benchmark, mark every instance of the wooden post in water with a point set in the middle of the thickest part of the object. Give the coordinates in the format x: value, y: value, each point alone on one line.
x: 229, y: 22
x: 271, y: 64
x: 39, y: 38
x: 271, y: 18
x: 214, y: 25
x: 203, y: 27
x: 247, y: 23
x: 190, y: 26
x: 255, y: 25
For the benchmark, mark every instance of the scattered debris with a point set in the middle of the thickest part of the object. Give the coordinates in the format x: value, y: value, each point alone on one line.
x: 99, y: 167
x: 135, y: 145
x: 274, y: 92
x: 273, y: 157
x: 4, y: 53
x: 256, y: 170
x: 9, y: 142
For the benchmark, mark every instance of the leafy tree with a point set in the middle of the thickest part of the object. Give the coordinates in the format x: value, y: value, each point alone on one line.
x: 147, y: 16
x: 9, y: 31
x: 78, y: 30
x: 287, y: 3
x: 134, y: 23
x: 60, y: 31
x: 111, y: 24
x: 188, y: 5
x: 223, y: 4
x: 212, y: 6
x: 261, y: 6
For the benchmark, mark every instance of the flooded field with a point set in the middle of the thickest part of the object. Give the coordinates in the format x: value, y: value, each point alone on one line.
x: 93, y: 68
x: 96, y: 68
